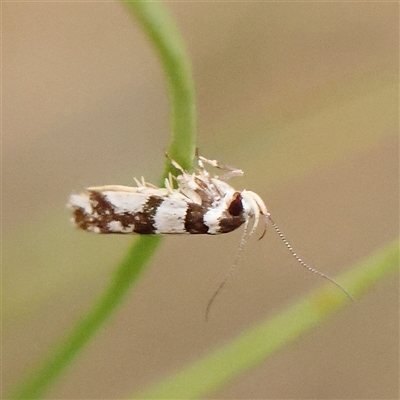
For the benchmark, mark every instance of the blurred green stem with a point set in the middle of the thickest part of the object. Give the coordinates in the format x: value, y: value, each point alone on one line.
x: 162, y: 32
x: 168, y: 44
x: 257, y: 343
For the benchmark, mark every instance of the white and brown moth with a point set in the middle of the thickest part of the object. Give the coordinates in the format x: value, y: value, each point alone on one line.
x: 201, y: 204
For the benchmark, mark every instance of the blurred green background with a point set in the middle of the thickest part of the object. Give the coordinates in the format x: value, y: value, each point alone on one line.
x: 302, y: 96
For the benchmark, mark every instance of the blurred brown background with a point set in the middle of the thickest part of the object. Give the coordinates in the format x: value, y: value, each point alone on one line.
x: 302, y: 96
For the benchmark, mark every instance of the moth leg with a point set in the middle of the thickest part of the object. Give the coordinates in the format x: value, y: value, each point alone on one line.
x: 139, y: 183
x: 175, y: 164
x: 143, y: 184
x: 231, y: 171
x: 169, y: 183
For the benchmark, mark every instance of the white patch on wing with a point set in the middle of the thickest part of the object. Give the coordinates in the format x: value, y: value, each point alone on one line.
x: 115, y: 226
x: 211, y: 219
x: 170, y: 216
x: 126, y: 202
x: 80, y: 201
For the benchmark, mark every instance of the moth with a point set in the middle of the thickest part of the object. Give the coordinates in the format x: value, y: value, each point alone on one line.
x: 200, y: 203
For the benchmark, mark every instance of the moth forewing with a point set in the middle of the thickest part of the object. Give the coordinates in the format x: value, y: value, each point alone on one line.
x: 201, y: 204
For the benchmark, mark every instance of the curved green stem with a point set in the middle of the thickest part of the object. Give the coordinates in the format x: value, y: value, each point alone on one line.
x: 125, y: 275
x: 176, y: 64
x: 168, y: 44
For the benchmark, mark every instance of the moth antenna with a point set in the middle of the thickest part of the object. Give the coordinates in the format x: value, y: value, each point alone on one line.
x: 229, y: 274
x: 301, y: 262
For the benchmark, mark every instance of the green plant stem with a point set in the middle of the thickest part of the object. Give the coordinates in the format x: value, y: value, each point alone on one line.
x: 125, y: 276
x: 256, y: 344
x: 168, y: 44
x: 176, y: 64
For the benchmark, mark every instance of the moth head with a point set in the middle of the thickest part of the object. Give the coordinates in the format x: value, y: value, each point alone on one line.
x: 253, y: 206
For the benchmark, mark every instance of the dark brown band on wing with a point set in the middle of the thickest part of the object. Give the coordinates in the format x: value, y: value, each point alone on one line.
x: 81, y: 219
x: 145, y: 221
x: 230, y: 223
x: 103, y: 214
x: 194, y: 219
